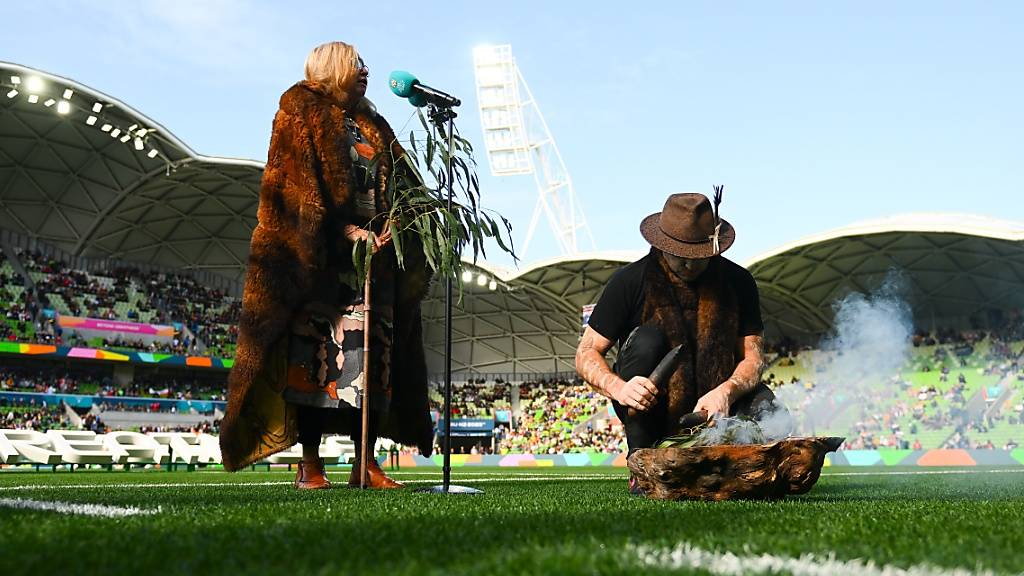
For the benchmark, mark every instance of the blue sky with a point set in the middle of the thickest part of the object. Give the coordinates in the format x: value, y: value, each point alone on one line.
x: 814, y: 115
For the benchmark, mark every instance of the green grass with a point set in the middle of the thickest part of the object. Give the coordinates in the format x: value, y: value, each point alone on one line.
x: 518, y: 526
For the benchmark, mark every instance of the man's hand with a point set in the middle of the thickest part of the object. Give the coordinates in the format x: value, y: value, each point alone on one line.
x: 746, y: 375
x: 639, y: 393
x: 716, y: 401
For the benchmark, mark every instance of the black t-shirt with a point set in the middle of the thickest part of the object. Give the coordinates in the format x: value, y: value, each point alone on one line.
x: 619, y: 308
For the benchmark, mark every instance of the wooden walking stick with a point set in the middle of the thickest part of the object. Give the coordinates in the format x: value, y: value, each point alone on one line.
x: 366, y: 376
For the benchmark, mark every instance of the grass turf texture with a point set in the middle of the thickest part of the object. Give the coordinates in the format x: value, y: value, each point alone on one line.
x: 519, y: 526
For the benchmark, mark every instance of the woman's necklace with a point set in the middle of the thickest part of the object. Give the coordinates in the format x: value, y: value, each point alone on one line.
x: 356, y: 137
x: 353, y: 128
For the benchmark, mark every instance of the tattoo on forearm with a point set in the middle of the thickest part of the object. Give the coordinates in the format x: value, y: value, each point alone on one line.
x: 748, y: 372
x: 591, y: 365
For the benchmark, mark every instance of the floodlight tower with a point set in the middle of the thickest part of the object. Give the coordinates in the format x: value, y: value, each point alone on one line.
x: 518, y: 141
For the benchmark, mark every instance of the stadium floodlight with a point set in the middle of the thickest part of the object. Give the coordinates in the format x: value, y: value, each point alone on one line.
x: 63, y: 107
x: 115, y: 132
x: 12, y: 93
x: 481, y: 280
x: 501, y: 116
x: 33, y: 98
x: 68, y: 93
x: 152, y: 153
x: 49, y: 102
x: 138, y: 144
x: 518, y: 141
x: 126, y: 137
x: 34, y: 84
x: 15, y: 80
x: 493, y: 285
x: 467, y: 276
x: 97, y: 107
x: 90, y: 120
x: 106, y: 127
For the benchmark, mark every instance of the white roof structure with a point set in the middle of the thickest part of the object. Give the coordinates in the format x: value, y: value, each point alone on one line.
x: 531, y: 322
x: 74, y: 183
x: 86, y: 173
x: 955, y: 269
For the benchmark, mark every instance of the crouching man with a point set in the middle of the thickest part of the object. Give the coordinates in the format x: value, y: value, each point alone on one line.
x: 684, y: 292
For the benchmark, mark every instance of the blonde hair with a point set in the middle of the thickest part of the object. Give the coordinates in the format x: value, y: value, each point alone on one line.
x: 332, y: 67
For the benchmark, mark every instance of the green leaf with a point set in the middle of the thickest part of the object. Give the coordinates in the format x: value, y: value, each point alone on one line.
x: 414, y: 157
x: 358, y: 260
x: 396, y: 238
x: 368, y: 254
x: 431, y: 148
x: 419, y: 212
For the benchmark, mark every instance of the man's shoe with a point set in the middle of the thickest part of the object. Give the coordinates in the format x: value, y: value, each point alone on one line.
x: 375, y: 478
x: 310, y: 475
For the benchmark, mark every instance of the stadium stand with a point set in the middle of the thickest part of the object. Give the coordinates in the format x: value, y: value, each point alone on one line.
x: 17, y: 305
x: 556, y: 417
x: 550, y: 416
x: 474, y: 399
x: 17, y: 415
x: 207, y: 317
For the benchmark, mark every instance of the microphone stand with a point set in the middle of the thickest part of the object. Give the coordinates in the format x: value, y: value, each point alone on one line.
x: 443, y: 118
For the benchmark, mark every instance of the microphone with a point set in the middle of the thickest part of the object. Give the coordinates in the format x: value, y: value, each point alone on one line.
x: 408, y: 86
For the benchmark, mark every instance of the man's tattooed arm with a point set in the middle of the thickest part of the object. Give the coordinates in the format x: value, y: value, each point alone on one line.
x: 748, y: 372
x: 591, y: 364
x: 639, y: 393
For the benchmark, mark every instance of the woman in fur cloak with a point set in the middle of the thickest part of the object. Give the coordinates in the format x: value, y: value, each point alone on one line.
x: 298, y: 366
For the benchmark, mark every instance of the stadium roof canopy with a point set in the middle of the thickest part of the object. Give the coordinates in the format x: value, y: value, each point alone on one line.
x: 529, y: 324
x: 953, y: 270
x: 98, y: 179
x: 89, y: 174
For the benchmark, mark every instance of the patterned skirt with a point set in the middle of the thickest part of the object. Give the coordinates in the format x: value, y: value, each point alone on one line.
x: 325, y: 352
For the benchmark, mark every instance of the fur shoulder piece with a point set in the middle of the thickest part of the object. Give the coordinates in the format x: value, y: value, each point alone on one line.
x: 303, y: 96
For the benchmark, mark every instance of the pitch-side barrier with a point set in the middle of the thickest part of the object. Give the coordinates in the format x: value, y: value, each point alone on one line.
x: 82, y: 447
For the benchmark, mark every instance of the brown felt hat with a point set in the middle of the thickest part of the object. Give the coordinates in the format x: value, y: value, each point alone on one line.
x: 685, y: 227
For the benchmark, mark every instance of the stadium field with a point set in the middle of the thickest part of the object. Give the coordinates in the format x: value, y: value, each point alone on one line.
x: 556, y: 520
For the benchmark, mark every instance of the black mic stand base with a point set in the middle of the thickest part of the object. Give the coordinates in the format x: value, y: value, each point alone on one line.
x: 452, y: 489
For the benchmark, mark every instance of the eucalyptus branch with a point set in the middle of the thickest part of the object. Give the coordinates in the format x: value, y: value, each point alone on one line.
x: 419, y: 216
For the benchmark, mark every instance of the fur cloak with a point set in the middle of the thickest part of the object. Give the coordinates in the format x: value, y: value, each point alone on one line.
x: 702, y: 316
x: 296, y: 255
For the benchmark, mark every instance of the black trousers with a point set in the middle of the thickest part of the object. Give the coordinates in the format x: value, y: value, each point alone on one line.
x: 638, y: 356
x: 312, y: 422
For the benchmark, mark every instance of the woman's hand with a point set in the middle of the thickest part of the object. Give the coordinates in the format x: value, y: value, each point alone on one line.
x: 384, y: 236
x: 356, y: 234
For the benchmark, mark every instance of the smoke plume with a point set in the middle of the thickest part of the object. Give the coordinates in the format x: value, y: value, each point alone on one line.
x: 859, y: 362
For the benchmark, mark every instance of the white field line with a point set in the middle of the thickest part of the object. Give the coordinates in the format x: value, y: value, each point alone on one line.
x: 80, y: 509
x: 684, y: 556
x: 596, y: 471
x: 531, y: 477
x: 924, y: 472
x: 528, y: 477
